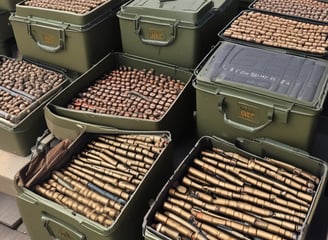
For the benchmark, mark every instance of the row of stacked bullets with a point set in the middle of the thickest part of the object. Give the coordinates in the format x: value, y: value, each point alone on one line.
x: 224, y: 195
x: 99, y: 180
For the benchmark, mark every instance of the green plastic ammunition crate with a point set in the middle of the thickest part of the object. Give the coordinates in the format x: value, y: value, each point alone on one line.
x: 177, y: 119
x: 177, y: 32
x: 72, y: 41
x: 6, y: 31
x: 249, y: 92
x: 250, y: 149
x: 18, y: 138
x: 46, y: 219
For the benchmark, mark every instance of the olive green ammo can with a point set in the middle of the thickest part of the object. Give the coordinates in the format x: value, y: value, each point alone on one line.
x: 73, y: 41
x: 46, y: 219
x: 177, y: 119
x: 178, y: 32
x: 250, y: 92
x: 250, y: 149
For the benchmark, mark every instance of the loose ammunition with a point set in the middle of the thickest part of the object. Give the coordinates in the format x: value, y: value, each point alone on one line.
x: 304, y: 196
x: 272, y: 189
x: 74, y: 205
x: 274, y: 198
x: 116, y: 191
x: 176, y: 209
x: 248, y: 230
x: 285, y: 224
x: 286, y: 177
x: 176, y: 226
x: 235, y: 204
x: 173, y: 234
x: 83, y: 200
x: 217, y: 233
x: 218, y: 172
x: 83, y: 190
x: 295, y: 170
x: 123, y: 151
x: 114, y: 181
x: 95, y: 162
x: 106, y: 194
x: 106, y: 171
x: 183, y: 204
x: 151, y: 147
x: 104, y: 141
x: 213, y: 180
x: 186, y: 224
x: 112, y: 155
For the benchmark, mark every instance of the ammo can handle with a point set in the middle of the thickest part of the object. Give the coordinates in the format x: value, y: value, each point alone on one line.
x: 60, y: 230
x: 159, y: 43
x: 47, y: 48
x: 240, y: 125
x: 244, y: 127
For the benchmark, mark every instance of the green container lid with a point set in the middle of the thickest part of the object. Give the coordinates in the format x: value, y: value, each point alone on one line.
x: 276, y: 74
x: 187, y: 11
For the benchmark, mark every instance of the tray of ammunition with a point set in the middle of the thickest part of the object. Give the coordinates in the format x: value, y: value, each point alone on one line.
x: 94, y: 186
x: 253, y: 189
x: 75, y: 12
x: 25, y: 88
x: 128, y: 92
x: 312, y: 10
x: 277, y: 32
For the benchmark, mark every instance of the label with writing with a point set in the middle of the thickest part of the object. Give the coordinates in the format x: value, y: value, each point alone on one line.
x: 49, y: 39
x: 156, y: 34
x: 248, y: 112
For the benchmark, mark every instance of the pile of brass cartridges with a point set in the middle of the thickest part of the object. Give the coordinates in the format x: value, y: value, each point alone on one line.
x: 224, y: 195
x: 22, y: 84
x: 99, y: 181
x: 129, y: 92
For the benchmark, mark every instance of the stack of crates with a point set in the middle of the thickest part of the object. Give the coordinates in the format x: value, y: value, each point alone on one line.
x: 256, y: 112
x: 267, y: 76
x: 178, y: 32
x: 76, y: 115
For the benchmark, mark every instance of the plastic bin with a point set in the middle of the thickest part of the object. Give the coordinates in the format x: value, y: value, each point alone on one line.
x: 177, y: 119
x: 72, y: 41
x: 47, y: 219
x: 258, y: 149
x: 249, y: 92
x: 177, y: 32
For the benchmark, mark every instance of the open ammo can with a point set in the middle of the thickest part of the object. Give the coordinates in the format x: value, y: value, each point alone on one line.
x: 207, y: 205
x: 250, y: 92
x: 22, y: 118
x: 67, y: 39
x: 177, y: 118
x: 178, y: 32
x: 49, y: 217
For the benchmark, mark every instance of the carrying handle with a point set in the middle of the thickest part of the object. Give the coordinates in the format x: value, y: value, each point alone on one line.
x: 47, y: 48
x: 153, y: 42
x: 240, y: 125
x: 59, y: 230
